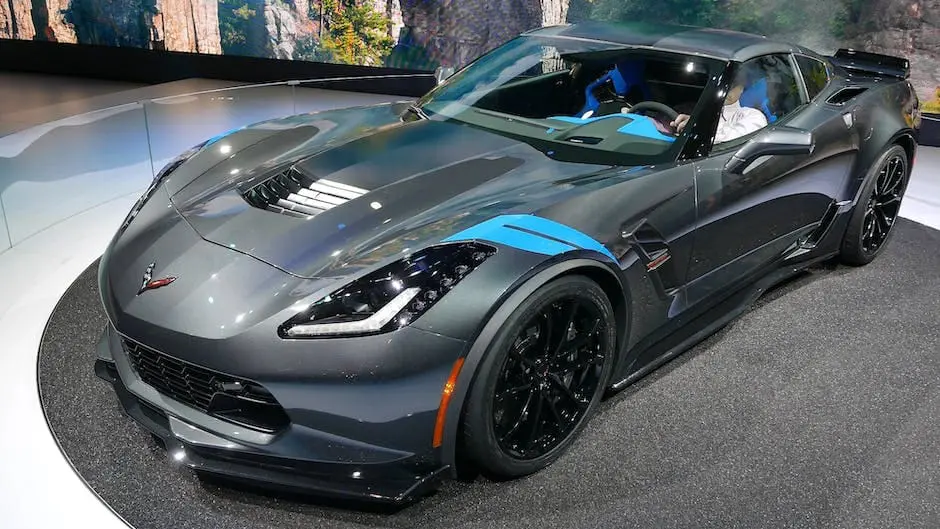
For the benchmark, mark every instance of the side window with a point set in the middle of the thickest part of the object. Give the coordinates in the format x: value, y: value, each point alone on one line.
x: 771, y: 86
x: 814, y: 73
x: 765, y: 89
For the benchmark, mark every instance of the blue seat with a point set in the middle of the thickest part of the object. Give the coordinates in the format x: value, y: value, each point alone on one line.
x: 625, y: 76
x: 755, y: 96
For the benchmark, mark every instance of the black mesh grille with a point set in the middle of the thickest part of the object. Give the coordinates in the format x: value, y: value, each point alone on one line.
x: 197, y: 387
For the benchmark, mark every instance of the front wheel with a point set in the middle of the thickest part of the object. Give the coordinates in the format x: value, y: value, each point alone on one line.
x: 877, y: 210
x: 542, y: 378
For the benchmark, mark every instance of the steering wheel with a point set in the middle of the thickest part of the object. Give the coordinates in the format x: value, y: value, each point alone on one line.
x: 668, y: 111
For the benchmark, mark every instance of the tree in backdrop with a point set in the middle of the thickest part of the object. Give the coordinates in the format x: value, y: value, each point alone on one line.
x: 932, y: 105
x: 355, y: 33
x: 693, y: 12
x: 811, y: 22
x: 112, y: 22
x: 235, y: 20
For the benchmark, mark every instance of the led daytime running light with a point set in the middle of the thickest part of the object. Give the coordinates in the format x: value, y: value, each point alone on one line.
x: 371, y: 324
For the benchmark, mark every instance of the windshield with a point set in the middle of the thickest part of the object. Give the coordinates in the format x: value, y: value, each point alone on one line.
x: 577, y: 95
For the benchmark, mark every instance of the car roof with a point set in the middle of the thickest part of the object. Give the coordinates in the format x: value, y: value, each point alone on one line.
x: 714, y: 43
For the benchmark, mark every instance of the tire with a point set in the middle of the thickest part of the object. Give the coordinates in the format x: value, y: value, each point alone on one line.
x: 497, y: 422
x: 872, y: 220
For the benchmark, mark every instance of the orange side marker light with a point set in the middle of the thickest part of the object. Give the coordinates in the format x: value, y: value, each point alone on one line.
x: 445, y: 400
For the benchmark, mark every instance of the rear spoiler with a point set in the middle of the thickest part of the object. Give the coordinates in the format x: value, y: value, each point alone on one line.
x: 872, y: 63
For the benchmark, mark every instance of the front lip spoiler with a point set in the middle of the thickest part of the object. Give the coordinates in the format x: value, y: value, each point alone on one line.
x: 395, y: 483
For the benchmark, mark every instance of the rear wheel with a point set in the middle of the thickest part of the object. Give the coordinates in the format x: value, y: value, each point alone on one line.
x: 871, y: 224
x: 541, y: 379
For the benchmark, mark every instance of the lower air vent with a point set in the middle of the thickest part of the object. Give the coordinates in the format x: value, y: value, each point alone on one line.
x: 294, y: 193
x: 231, y: 399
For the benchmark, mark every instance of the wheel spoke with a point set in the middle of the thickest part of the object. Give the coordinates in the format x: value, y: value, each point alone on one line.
x: 536, y: 430
x: 883, y: 223
x: 566, y: 391
x: 883, y: 176
x: 523, y: 361
x: 888, y: 201
x: 562, y: 426
x: 891, y: 185
x: 549, y: 332
x: 522, y: 417
x: 515, y: 390
x: 572, y: 312
x: 580, y: 341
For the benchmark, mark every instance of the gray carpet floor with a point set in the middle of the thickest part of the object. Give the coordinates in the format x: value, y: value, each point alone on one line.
x: 820, y: 407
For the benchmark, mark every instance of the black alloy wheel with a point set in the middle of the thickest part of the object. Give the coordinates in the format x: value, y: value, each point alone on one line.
x: 884, y: 204
x: 877, y: 211
x: 547, y: 381
x: 543, y: 378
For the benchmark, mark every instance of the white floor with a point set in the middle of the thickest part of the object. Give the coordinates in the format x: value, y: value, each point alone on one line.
x: 63, y: 203
x: 61, y: 224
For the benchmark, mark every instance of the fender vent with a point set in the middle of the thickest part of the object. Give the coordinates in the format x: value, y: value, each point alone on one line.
x: 845, y: 95
x: 296, y: 194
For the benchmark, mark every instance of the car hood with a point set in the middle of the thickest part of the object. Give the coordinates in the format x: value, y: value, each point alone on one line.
x: 415, y: 183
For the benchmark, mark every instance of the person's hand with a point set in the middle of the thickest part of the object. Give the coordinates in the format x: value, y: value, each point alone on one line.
x: 680, y: 122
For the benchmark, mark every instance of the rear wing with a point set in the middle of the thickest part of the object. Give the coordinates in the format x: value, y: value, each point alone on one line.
x: 872, y: 63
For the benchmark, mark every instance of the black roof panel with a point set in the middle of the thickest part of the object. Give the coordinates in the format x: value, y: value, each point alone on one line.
x: 717, y: 43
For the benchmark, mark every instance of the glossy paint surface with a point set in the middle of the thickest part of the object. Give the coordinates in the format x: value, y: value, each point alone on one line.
x: 667, y: 241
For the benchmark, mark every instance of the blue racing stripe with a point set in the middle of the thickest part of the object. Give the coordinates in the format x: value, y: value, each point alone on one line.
x: 557, y: 230
x: 500, y: 230
x: 495, y: 230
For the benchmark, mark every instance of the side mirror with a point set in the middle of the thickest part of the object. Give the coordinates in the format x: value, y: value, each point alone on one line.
x: 773, y: 142
x: 443, y: 72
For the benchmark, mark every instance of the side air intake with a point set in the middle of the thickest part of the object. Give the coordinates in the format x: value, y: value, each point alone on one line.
x: 293, y: 193
x: 845, y: 95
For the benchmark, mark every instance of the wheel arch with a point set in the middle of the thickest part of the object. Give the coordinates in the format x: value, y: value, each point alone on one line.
x: 906, y: 139
x: 604, y: 274
x: 903, y: 138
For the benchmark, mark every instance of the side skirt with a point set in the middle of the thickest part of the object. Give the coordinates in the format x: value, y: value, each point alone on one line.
x: 708, y: 324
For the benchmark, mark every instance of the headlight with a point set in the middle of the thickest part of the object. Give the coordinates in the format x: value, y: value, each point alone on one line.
x: 391, y: 297
x: 157, y: 180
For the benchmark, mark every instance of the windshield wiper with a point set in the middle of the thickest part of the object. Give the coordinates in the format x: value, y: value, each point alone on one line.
x: 416, y: 110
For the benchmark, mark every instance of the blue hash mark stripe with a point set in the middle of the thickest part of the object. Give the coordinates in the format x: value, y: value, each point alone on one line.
x: 531, y: 233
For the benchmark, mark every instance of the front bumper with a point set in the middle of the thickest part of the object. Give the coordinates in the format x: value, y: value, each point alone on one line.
x: 376, y: 474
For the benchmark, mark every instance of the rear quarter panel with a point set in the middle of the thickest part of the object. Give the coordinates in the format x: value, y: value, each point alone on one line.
x: 884, y: 115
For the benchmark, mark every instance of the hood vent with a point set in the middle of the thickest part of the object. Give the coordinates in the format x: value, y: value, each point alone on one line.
x: 293, y: 193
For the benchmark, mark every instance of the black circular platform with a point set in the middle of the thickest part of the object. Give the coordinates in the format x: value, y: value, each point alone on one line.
x: 818, y: 408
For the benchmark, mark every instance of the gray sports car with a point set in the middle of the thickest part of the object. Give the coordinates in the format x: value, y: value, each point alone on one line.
x: 353, y: 301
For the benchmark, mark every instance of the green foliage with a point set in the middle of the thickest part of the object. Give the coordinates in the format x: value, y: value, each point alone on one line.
x: 235, y: 19
x: 308, y: 49
x: 694, y: 12
x: 816, y: 18
x: 356, y: 34
x: 932, y: 106
x: 580, y: 10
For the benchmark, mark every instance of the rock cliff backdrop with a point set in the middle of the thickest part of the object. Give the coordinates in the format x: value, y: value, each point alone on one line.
x: 426, y: 33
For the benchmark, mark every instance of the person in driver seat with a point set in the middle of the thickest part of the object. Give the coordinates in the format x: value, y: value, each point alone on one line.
x: 735, y: 120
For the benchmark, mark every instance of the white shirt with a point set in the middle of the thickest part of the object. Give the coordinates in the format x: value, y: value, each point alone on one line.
x: 736, y: 121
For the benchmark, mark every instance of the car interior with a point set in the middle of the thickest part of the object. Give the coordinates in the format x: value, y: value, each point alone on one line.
x: 588, y: 86
x: 585, y: 87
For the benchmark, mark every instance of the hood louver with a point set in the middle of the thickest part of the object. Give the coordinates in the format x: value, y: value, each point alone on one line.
x: 293, y: 193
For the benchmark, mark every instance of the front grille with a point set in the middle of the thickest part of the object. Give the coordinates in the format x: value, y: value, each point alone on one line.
x: 229, y: 398
x: 293, y: 193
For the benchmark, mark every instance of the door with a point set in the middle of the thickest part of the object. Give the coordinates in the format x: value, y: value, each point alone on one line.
x: 749, y: 219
